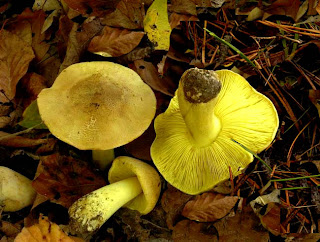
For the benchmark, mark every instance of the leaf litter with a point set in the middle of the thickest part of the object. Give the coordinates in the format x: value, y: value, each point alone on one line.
x: 277, y: 51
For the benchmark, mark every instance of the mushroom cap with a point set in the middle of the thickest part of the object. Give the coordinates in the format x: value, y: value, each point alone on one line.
x: 124, y: 167
x: 246, y: 116
x: 97, y: 105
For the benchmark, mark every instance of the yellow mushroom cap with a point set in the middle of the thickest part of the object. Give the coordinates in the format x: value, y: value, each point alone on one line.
x: 244, y: 115
x: 97, y: 105
x: 124, y: 167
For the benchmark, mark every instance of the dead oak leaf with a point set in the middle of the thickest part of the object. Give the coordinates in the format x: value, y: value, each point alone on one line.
x: 115, y: 42
x: 44, y: 231
x: 64, y: 179
x: 15, y: 56
x: 209, y: 207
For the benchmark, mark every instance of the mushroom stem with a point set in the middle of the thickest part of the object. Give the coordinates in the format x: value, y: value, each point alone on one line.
x: 197, y: 96
x: 90, y: 212
x: 102, y: 158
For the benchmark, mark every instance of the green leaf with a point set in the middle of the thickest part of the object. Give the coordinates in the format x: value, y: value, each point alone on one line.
x: 31, y: 117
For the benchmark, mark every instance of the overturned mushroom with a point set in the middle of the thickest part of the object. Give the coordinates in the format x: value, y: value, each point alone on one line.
x: 193, y: 149
x: 97, y: 106
x: 134, y: 184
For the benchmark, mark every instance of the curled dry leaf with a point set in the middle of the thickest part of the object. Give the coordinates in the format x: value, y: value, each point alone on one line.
x: 64, y: 179
x: 15, y: 56
x: 44, y: 231
x: 115, y: 42
x: 209, y: 207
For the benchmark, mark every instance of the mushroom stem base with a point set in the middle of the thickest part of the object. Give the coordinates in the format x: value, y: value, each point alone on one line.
x: 90, y: 212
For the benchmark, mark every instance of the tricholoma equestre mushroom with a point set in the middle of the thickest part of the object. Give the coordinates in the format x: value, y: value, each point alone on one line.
x: 134, y: 184
x: 193, y: 149
x: 97, y: 106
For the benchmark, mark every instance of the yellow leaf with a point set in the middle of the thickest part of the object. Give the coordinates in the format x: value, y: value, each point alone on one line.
x: 156, y: 25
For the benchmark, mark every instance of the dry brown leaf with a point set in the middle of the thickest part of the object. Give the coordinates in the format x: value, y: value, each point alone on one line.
x: 10, y: 140
x: 242, y: 227
x: 15, y: 56
x: 209, y: 207
x: 9, y: 229
x: 44, y: 231
x: 39, y: 43
x: 271, y: 218
x: 172, y: 202
x: 64, y: 179
x: 176, y: 18
x: 187, y: 230
x: 22, y: 29
x: 78, y: 41
x: 149, y: 74
x: 115, y: 42
x: 32, y: 84
x: 288, y: 8
x: 128, y: 14
x: 92, y: 7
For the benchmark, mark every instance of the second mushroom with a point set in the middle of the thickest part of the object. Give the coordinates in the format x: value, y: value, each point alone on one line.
x: 194, y: 148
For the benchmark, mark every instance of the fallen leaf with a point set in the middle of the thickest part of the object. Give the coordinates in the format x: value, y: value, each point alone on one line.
x: 190, y: 6
x: 31, y: 117
x: 176, y: 18
x: 11, y: 140
x: 10, y: 229
x: 242, y: 227
x: 92, y: 7
x: 209, y: 207
x: 187, y: 230
x: 128, y: 14
x: 44, y: 231
x: 39, y: 39
x: 288, y: 8
x: 314, y: 96
x: 115, y: 42
x: 156, y: 25
x: 64, y: 179
x: 149, y: 74
x: 31, y: 84
x: 270, y: 219
x: 46, y: 5
x: 15, y: 56
x: 172, y: 202
x: 22, y: 29
x: 78, y: 41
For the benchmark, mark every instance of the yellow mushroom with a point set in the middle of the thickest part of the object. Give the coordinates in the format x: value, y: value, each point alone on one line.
x: 134, y: 184
x: 97, y: 106
x: 16, y: 191
x: 193, y: 149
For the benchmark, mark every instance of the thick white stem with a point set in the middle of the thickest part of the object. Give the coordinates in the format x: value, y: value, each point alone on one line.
x: 90, y: 212
x: 103, y: 158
